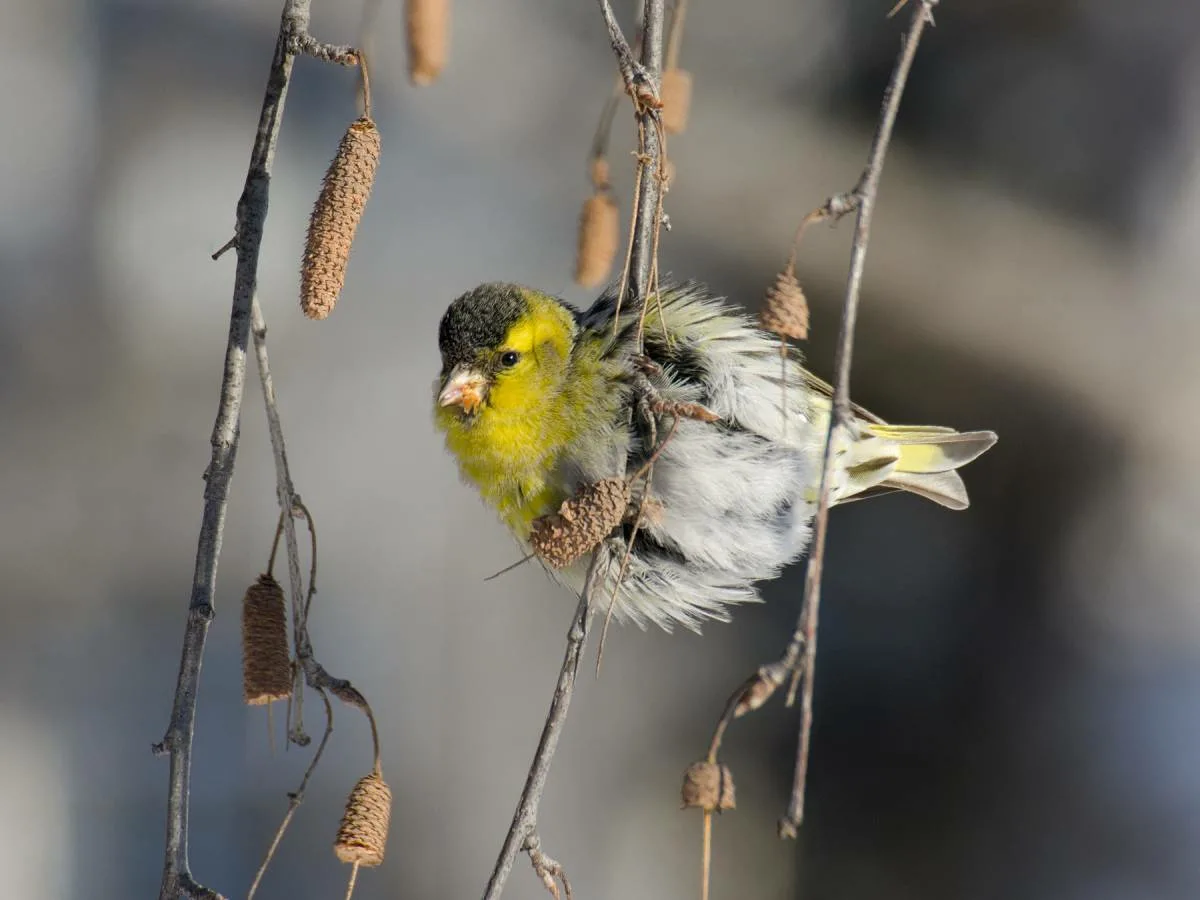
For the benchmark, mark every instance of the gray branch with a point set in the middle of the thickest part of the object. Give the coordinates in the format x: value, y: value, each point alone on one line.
x: 315, y: 674
x: 522, y: 834
x: 799, y: 657
x: 641, y: 81
x: 864, y: 193
x: 252, y: 208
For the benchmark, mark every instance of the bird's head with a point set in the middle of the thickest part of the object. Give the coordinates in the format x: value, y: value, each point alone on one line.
x: 505, y: 348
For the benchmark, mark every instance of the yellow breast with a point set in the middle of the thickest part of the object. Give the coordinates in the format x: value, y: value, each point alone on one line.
x: 558, y: 403
x: 512, y: 460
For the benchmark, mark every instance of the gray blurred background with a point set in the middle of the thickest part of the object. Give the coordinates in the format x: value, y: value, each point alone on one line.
x: 1008, y: 700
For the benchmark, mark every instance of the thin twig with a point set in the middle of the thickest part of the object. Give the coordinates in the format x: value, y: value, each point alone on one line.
x: 799, y: 656
x: 275, y: 545
x: 367, y: 22
x: 295, y: 798
x: 251, y: 217
x: 315, y: 674
x: 342, y: 54
x: 841, y: 415
x: 642, y: 81
x: 603, y: 135
x: 353, y: 879
x: 525, y: 819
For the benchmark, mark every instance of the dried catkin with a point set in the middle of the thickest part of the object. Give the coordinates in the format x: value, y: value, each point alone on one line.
x: 598, y: 172
x: 335, y: 217
x: 766, y: 681
x: 362, y: 835
x: 676, y: 94
x: 428, y: 39
x: 786, y: 310
x: 266, y: 665
x: 581, y: 523
x: 708, y: 786
x: 599, y: 236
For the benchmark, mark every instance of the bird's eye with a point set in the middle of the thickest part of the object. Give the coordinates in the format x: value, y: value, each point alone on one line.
x: 509, y: 358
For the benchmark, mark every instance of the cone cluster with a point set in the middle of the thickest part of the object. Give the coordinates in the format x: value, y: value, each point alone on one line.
x: 581, y: 523
x: 266, y: 663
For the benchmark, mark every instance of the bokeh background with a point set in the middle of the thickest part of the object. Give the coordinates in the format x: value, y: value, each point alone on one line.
x: 1008, y: 700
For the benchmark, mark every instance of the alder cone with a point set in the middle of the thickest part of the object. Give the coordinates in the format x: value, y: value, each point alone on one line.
x: 335, y: 217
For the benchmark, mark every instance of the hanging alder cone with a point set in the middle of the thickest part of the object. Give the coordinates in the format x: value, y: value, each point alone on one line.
x: 266, y: 663
x: 428, y: 27
x: 335, y: 217
x: 786, y: 309
x: 676, y: 94
x: 599, y: 237
x: 709, y: 786
x: 581, y: 523
x: 362, y: 835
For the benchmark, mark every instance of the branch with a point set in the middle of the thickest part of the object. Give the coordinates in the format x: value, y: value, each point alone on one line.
x: 295, y: 798
x: 251, y: 217
x: 252, y: 209
x: 315, y: 674
x: 841, y: 415
x: 799, y: 657
x: 640, y: 275
x: 522, y: 834
x: 642, y: 81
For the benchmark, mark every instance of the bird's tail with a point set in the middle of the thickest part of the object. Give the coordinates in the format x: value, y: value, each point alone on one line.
x: 920, y: 459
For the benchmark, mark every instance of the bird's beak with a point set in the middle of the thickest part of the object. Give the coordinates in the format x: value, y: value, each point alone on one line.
x: 464, y: 388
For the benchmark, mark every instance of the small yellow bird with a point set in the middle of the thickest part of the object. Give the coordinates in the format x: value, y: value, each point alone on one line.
x: 536, y: 399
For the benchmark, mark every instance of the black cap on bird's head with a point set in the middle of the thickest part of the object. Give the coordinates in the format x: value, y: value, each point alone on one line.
x: 488, y: 331
x: 470, y: 337
x: 478, y: 322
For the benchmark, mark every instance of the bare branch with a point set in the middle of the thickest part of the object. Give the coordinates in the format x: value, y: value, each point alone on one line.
x: 642, y: 80
x: 522, y: 834
x: 799, y: 656
x: 252, y: 209
x: 342, y: 54
x: 295, y: 798
x: 805, y: 634
x: 251, y: 216
x: 315, y: 674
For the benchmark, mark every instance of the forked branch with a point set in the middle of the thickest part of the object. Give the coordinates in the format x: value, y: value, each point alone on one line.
x: 293, y: 39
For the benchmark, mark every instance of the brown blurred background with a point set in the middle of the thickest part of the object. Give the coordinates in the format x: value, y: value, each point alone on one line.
x: 1008, y: 700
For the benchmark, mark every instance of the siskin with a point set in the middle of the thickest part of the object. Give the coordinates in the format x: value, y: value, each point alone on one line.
x: 536, y: 399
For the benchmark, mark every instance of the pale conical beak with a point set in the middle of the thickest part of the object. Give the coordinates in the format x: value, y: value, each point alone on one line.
x: 464, y: 388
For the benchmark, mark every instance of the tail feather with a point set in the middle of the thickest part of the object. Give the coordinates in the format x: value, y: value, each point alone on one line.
x: 944, y: 488
x: 926, y: 449
x: 919, y: 459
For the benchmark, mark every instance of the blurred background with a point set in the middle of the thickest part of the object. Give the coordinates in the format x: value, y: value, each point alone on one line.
x: 1007, y: 699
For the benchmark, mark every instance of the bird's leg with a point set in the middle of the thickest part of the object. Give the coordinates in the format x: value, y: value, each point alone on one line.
x: 644, y: 368
x: 648, y: 418
x: 644, y: 394
x: 646, y: 365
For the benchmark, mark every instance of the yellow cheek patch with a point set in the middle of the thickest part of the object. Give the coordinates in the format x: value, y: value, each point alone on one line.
x: 546, y: 322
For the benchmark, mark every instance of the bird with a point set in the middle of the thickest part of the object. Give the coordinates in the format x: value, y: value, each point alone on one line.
x: 536, y: 399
